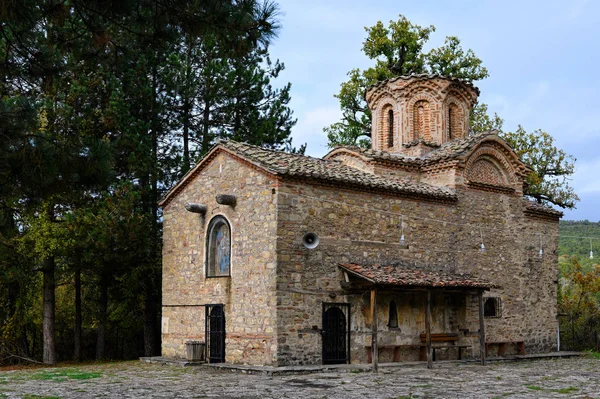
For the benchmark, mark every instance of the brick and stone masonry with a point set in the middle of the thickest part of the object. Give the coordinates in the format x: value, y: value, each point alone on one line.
x: 444, y: 189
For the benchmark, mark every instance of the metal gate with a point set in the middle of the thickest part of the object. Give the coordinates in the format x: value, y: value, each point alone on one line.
x: 336, y: 333
x: 215, y: 333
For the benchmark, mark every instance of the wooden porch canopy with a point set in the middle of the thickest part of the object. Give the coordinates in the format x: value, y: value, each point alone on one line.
x: 411, y: 278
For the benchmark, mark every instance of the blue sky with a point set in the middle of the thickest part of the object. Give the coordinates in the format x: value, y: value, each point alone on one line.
x: 543, y: 58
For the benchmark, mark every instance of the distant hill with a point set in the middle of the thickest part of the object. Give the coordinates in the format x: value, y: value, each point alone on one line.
x: 579, y: 247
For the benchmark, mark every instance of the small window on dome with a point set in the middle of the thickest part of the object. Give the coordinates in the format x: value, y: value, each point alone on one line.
x: 454, y: 122
x: 218, y: 248
x: 390, y: 128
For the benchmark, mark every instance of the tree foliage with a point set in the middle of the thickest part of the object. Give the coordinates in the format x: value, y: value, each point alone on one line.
x: 102, y: 108
x: 550, y: 166
x: 397, y: 50
x: 579, y: 305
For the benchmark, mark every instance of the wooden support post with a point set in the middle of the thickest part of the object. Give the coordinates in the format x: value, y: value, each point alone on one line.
x: 428, y: 330
x: 374, y: 349
x: 481, y: 330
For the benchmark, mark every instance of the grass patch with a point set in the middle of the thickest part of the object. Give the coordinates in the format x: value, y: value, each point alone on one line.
x: 40, y: 397
x: 65, y: 374
x: 566, y: 390
x: 595, y: 355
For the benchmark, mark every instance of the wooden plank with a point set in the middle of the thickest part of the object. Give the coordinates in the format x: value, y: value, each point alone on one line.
x: 482, y: 348
x: 440, y: 337
x: 428, y: 331
x: 374, y: 350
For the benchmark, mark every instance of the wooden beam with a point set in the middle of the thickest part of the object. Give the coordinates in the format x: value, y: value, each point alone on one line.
x: 428, y: 330
x: 374, y: 349
x: 481, y: 330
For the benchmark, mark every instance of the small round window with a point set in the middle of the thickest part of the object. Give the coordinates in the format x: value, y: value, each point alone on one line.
x: 218, y: 245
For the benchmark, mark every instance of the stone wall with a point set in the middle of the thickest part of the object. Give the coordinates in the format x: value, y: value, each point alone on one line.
x: 364, y: 227
x: 249, y: 294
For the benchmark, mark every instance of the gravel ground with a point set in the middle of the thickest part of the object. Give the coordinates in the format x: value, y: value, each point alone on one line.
x: 556, y: 378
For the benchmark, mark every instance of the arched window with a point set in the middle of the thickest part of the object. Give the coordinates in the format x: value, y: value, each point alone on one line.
x: 218, y: 248
x: 455, y: 130
x: 390, y: 128
x: 393, y: 315
x: 421, y: 120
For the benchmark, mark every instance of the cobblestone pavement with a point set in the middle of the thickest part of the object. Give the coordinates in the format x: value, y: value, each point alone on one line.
x: 557, y: 378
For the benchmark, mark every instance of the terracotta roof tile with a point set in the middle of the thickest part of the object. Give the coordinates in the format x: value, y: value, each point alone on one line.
x: 534, y: 207
x: 398, y: 275
x: 423, y: 76
x: 295, y: 165
x: 447, y: 151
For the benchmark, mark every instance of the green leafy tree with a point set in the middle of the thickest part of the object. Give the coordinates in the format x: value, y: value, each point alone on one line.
x: 256, y: 112
x: 579, y: 301
x: 550, y: 166
x: 397, y: 50
x: 481, y: 121
x: 225, y: 94
x: 87, y: 104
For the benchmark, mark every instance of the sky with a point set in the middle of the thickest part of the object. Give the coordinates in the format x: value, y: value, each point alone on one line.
x: 543, y: 58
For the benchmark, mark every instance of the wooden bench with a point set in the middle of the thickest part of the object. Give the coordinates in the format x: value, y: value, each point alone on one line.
x: 437, y: 338
x: 452, y: 338
x: 503, y: 344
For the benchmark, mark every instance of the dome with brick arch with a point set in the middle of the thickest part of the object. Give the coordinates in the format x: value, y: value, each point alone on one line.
x: 414, y: 114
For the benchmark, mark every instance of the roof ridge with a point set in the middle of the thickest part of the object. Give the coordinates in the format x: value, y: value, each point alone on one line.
x: 226, y: 141
x: 423, y: 76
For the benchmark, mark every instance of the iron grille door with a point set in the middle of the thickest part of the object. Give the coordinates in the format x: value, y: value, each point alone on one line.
x: 336, y: 333
x: 215, y: 333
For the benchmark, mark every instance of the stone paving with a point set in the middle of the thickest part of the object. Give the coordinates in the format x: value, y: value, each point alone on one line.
x: 556, y: 378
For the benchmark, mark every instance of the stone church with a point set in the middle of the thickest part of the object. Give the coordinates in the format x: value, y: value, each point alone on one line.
x: 419, y: 248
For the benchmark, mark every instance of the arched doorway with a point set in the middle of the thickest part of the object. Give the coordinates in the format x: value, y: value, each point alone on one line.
x: 336, y: 333
x: 215, y: 333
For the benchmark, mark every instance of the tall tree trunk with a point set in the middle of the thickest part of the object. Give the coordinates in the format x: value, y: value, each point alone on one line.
x: 187, y: 106
x: 25, y: 342
x: 186, y: 136
x: 206, y: 127
x: 151, y: 335
x: 237, y: 121
x: 49, y: 339
x: 77, y: 332
x: 102, y: 318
